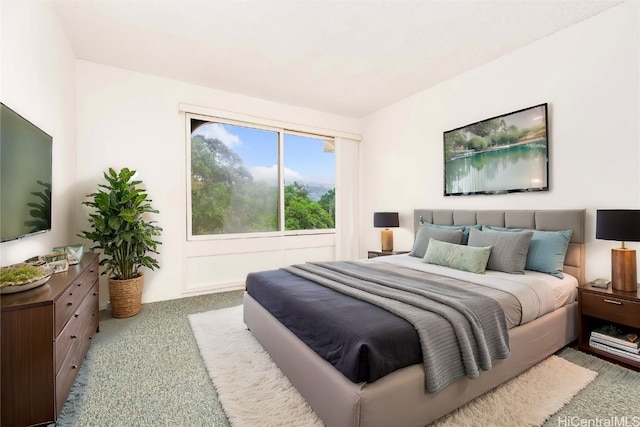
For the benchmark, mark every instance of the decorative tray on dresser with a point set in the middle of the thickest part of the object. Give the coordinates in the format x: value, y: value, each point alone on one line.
x: 609, y: 308
x: 46, y: 333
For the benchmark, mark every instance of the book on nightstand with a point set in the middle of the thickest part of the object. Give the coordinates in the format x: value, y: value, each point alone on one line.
x: 614, y: 340
x: 613, y: 335
x: 627, y: 354
x: 600, y: 283
x: 614, y: 344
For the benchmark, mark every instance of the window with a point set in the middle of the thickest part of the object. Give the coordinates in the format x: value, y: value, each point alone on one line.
x: 248, y: 179
x: 309, y: 183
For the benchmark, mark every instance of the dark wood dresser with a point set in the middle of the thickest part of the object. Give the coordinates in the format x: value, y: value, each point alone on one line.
x: 46, y: 333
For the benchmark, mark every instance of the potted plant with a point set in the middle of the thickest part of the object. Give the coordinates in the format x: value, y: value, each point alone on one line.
x: 126, y: 238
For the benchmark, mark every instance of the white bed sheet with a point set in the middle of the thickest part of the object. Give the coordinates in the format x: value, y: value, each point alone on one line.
x: 560, y: 292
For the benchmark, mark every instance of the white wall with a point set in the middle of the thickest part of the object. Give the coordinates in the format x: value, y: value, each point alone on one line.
x: 587, y: 73
x: 37, y: 81
x: 133, y: 120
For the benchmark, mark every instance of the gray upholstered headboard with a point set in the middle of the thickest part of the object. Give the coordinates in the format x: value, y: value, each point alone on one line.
x: 548, y: 220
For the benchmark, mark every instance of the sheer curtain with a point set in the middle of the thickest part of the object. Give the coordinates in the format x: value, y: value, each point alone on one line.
x: 347, y: 198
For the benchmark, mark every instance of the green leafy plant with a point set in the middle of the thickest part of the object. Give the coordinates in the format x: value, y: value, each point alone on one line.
x: 41, y: 212
x: 118, y: 226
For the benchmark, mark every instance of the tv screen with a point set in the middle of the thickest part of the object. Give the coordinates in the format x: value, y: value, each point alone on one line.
x: 25, y: 177
x: 503, y: 154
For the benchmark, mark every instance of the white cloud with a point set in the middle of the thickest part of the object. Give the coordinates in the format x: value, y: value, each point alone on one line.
x: 270, y: 174
x: 291, y: 175
x: 267, y: 174
x: 217, y: 131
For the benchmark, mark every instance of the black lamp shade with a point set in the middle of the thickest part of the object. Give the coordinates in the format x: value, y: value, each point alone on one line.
x: 386, y: 219
x: 622, y: 225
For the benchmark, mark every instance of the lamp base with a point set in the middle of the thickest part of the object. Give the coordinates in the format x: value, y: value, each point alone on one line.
x: 387, y: 240
x: 623, y: 270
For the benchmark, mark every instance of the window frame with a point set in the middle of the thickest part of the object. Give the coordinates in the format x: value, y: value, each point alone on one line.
x: 260, y: 125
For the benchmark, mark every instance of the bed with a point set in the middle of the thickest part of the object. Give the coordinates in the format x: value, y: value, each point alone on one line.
x: 399, y: 397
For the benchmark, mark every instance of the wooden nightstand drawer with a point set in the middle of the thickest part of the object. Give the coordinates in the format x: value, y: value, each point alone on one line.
x: 611, y: 308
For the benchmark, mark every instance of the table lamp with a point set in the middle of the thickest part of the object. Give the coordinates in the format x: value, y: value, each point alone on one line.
x: 386, y: 220
x: 622, y: 225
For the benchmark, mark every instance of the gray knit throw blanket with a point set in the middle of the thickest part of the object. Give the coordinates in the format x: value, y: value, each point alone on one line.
x: 460, y: 332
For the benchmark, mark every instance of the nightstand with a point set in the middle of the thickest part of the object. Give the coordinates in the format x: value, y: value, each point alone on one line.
x: 597, y: 307
x: 374, y: 254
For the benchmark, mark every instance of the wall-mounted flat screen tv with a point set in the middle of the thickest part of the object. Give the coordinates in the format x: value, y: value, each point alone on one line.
x: 25, y: 177
x: 503, y: 154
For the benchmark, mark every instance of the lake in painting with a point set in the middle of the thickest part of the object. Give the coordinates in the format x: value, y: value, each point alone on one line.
x: 522, y: 166
x: 498, y: 155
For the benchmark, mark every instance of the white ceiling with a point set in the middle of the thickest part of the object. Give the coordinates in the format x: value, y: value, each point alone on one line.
x: 343, y: 57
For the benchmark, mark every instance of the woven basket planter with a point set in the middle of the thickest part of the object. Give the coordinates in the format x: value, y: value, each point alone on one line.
x: 125, y: 296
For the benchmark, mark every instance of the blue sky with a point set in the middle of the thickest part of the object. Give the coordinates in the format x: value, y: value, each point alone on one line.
x: 304, y: 158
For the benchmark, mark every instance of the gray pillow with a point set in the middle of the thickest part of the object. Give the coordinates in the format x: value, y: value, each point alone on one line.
x: 426, y: 232
x: 464, y: 228
x: 460, y: 257
x: 508, y: 250
x: 547, y: 250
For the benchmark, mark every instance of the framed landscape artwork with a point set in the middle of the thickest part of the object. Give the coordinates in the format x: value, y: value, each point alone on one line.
x: 503, y: 154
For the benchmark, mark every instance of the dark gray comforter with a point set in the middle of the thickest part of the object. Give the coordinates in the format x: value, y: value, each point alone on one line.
x: 461, y: 332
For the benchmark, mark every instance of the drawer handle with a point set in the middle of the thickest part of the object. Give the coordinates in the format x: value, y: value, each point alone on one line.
x: 69, y: 304
x: 80, y: 284
x: 76, y: 315
x: 95, y: 293
x: 610, y: 301
x: 74, y: 366
x: 73, y: 337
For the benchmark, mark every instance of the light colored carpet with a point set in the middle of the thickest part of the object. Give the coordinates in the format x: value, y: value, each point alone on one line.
x: 253, y: 391
x: 527, y: 400
x: 146, y: 371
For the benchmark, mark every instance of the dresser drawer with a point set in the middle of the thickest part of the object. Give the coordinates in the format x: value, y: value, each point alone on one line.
x: 91, y: 313
x: 69, y: 370
x: 66, y: 339
x: 83, y: 322
x: 39, y: 359
x: 611, y: 308
x: 70, y: 300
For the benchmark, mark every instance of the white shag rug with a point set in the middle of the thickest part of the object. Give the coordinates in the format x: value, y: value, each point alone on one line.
x: 254, y: 392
